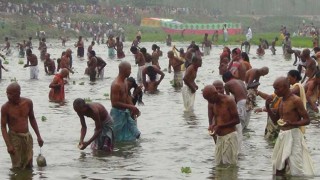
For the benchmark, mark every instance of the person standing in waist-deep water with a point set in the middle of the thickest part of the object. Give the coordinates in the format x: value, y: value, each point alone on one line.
x: 101, y: 64
x: 175, y: 63
x: 290, y: 153
x: 123, y: 109
x: 16, y: 114
x: 1, y: 66
x: 92, y: 65
x: 80, y: 46
x: 42, y: 48
x: 169, y: 40
x: 49, y: 65
x: 119, y: 48
x: 206, y: 45
x: 140, y: 60
x: 190, y: 88
x: 223, y: 121
x: 103, y: 137
x: 151, y: 86
x: 57, y: 93
x: 111, y: 43
x: 32, y: 63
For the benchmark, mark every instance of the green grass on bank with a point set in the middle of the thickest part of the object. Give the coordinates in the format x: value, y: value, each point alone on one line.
x: 12, y: 29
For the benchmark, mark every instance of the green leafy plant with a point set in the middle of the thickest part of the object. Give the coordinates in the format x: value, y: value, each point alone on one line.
x: 186, y: 170
x: 43, y: 118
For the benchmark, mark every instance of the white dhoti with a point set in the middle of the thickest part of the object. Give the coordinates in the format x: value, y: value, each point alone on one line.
x: 290, y: 152
x: 206, y: 51
x: 239, y: 136
x: 139, y: 75
x: 244, y: 115
x: 226, y: 151
x: 188, y: 98
x: 34, y: 72
x: 177, y: 79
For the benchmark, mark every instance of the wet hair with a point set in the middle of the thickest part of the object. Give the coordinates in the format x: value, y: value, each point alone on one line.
x: 317, y: 75
x: 92, y: 42
x: 295, y: 73
x: 316, y: 49
x: 133, y: 81
x: 133, y: 49
x: 181, y: 50
x: 154, y: 46
x: 151, y: 73
x: 28, y: 51
x: 227, y: 76
x: 196, y: 47
x: 143, y: 50
x: 236, y: 51
x: 79, y: 102
x: 93, y: 53
x: 245, y: 56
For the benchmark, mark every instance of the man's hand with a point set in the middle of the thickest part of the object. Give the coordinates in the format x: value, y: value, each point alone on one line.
x: 11, y: 150
x: 40, y: 141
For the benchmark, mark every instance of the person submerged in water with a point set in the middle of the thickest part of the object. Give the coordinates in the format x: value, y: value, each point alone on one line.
x: 151, y: 86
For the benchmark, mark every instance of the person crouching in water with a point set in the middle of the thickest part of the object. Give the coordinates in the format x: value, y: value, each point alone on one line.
x: 152, y: 85
x: 57, y: 93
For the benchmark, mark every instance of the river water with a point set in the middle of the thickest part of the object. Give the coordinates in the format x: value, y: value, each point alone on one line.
x: 170, y: 139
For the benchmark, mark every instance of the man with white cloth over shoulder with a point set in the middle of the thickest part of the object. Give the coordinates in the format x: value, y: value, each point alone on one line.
x: 290, y: 154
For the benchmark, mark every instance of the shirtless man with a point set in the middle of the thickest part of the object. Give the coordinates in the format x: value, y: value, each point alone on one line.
x: 90, y: 48
x: 125, y: 127
x: 15, y: 114
x: 155, y: 55
x: 103, y: 137
x: 7, y: 46
x: 206, y: 45
x: 175, y: 63
x: 29, y: 43
x: 246, y: 45
x: 32, y: 63
x: 119, y: 48
x: 290, y: 148
x: 191, y: 52
x: 260, y: 51
x: 92, y: 65
x: 188, y: 91
x: 1, y: 66
x: 42, y: 48
x: 140, y: 60
x: 223, y: 118
x: 21, y: 47
x: 57, y: 93
x: 238, y: 90
x: 151, y: 86
x: 111, y: 43
x: 80, y: 47
x: 312, y: 89
x: 49, y: 65
x: 273, y: 46
x: 101, y: 64
x: 236, y: 67
x: 136, y: 42
x: 65, y: 61
x: 253, y: 75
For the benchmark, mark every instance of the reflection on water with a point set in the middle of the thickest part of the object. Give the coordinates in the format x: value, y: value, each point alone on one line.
x: 171, y: 138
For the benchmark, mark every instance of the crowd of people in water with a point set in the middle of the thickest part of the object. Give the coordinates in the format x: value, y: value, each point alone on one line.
x: 231, y: 100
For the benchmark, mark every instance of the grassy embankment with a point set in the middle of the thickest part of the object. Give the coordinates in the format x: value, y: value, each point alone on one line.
x: 12, y: 28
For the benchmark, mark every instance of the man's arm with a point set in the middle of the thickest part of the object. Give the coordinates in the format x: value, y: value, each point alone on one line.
x: 211, y: 115
x: 97, y: 130
x: 226, y: 88
x: 4, y: 122
x: 83, y: 128
x: 45, y: 68
x: 34, y: 124
x: 273, y: 115
x: 161, y: 74
x: 144, y: 81
x: 310, y: 88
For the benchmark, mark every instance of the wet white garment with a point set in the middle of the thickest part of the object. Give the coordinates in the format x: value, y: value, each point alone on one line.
x: 226, y: 151
x: 244, y: 115
x: 291, y: 149
x: 188, y: 98
x: 34, y: 72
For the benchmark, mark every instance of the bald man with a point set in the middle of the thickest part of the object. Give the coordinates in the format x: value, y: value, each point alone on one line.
x: 253, y: 75
x: 310, y: 64
x: 223, y: 118
x: 219, y: 86
x: 66, y: 60
x: 290, y: 154
x: 57, y: 93
x: 15, y: 114
x: 49, y: 65
x: 125, y: 127
x: 102, y: 137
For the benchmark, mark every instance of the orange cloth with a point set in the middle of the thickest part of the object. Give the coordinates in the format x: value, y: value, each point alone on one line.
x: 57, y: 94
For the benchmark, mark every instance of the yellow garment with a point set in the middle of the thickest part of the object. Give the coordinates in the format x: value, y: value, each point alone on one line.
x: 23, y: 145
x: 183, y: 68
x: 303, y: 98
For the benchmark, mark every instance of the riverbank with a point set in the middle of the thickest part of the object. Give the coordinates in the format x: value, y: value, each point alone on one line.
x: 18, y: 29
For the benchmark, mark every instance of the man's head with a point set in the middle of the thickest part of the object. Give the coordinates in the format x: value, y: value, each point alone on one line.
x: 210, y: 93
x: 80, y: 106
x: 13, y: 93
x: 219, y: 86
x: 236, y: 54
x: 68, y: 52
x: 28, y: 52
x: 281, y: 86
x: 305, y: 54
x: 227, y: 76
x: 92, y: 43
x: 264, y: 71
x: 125, y: 69
x: 154, y: 47
x: 170, y: 54
x: 47, y: 56
x: 64, y: 72
x: 134, y: 50
x: 92, y: 53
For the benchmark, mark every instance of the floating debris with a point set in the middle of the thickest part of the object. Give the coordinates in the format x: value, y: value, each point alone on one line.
x: 87, y: 100
x: 186, y: 170
x: 20, y: 61
x: 82, y: 83
x: 43, y: 118
x: 6, y: 62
